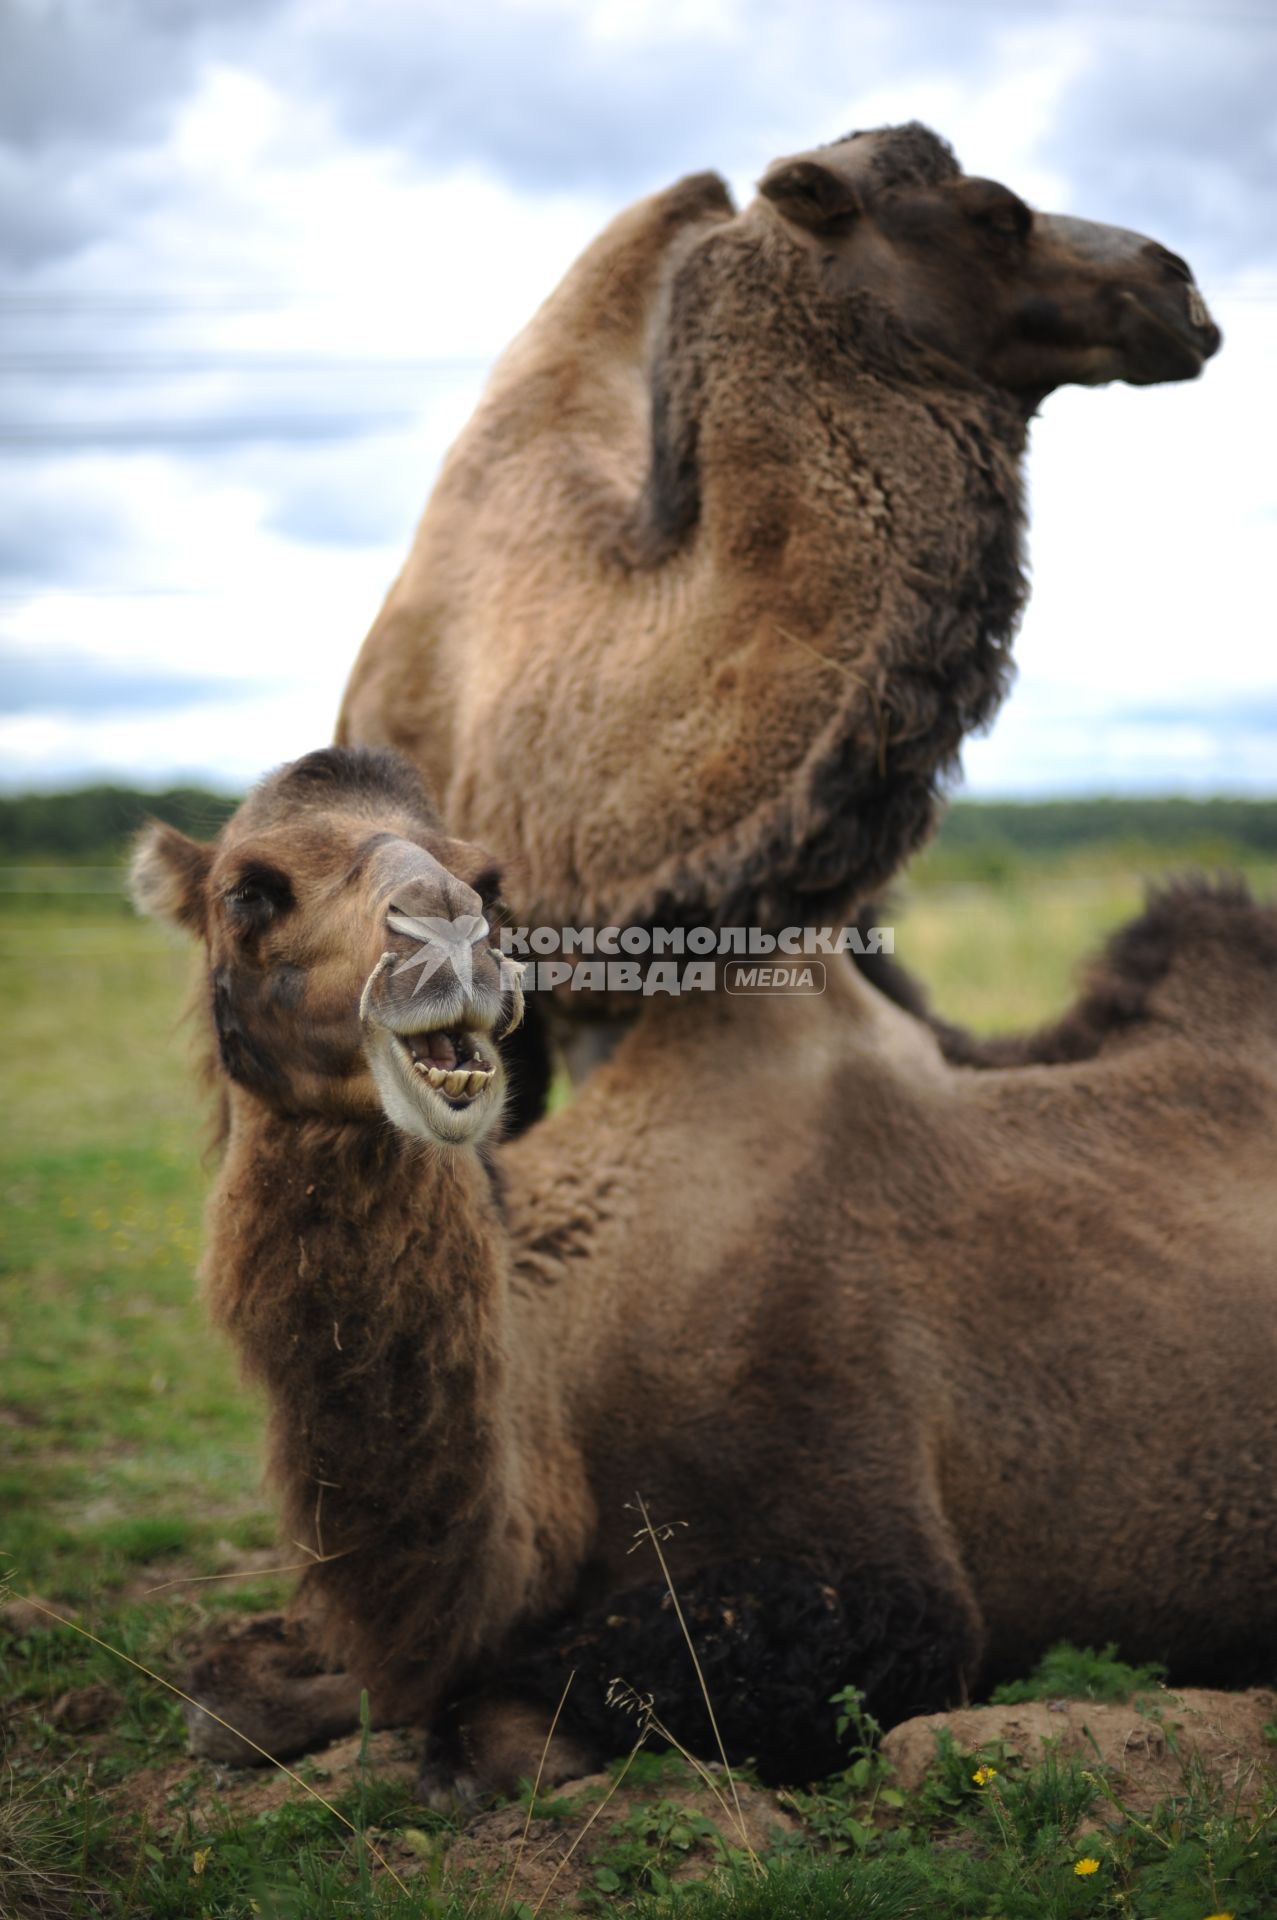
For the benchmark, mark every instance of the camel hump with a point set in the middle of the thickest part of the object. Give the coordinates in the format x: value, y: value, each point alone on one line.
x: 606, y: 297
x: 696, y: 196
x: 1202, y: 946
x: 1201, y: 959
x: 636, y: 241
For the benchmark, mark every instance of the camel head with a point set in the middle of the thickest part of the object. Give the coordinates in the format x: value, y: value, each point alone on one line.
x: 351, y: 961
x: 1025, y: 301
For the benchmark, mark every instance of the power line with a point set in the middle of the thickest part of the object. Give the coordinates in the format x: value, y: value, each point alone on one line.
x: 16, y: 596
x: 73, y: 302
x: 20, y: 434
x: 234, y: 360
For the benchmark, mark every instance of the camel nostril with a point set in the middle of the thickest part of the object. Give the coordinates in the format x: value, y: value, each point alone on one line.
x: 1171, y: 262
x: 1199, y: 319
x: 416, y: 905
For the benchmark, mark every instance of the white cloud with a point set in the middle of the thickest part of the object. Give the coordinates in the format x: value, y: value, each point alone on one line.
x: 227, y: 744
x: 405, y: 184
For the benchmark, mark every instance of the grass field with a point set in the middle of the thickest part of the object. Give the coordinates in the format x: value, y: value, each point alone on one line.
x: 129, y: 1462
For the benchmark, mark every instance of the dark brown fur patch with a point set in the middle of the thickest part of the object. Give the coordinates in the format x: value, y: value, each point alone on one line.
x: 907, y: 156
x: 354, y: 773
x: 775, y: 1641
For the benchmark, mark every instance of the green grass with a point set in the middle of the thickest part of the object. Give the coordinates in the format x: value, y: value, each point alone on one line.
x: 1079, y: 1673
x: 129, y: 1471
x: 124, y: 1435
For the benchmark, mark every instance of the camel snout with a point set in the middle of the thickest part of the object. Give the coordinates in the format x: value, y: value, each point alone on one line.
x: 437, y: 968
x: 1209, y: 334
x: 430, y: 1012
x: 436, y: 895
x: 1184, y: 298
x: 410, y: 881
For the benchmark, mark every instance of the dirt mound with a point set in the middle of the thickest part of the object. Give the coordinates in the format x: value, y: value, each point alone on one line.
x: 1145, y: 1745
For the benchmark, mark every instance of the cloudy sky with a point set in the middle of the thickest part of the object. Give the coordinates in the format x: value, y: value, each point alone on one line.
x: 256, y: 255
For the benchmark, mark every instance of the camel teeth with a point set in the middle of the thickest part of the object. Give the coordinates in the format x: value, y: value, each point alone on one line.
x: 455, y: 1081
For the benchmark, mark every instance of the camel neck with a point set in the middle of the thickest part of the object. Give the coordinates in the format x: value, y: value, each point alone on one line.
x: 746, y: 337
x: 363, y: 1280
x: 299, y: 1197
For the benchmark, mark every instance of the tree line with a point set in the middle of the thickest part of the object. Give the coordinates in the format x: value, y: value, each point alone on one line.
x: 97, y: 822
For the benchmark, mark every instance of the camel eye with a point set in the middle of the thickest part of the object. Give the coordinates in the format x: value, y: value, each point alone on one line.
x: 259, y: 893
x: 1172, y: 262
x: 1007, y: 219
x: 488, y: 887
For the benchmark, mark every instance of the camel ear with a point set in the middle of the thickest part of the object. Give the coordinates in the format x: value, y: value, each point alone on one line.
x: 811, y: 194
x: 166, y: 879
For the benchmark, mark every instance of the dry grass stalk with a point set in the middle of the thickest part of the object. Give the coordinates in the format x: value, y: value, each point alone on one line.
x: 630, y: 1758
x: 648, y: 1529
x: 536, y: 1787
x: 251, y: 1573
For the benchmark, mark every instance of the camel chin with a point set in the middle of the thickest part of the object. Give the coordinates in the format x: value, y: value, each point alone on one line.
x: 445, y: 1085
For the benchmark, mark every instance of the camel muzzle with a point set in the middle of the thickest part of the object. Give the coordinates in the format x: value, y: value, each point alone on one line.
x: 438, y: 971
x: 1165, y: 328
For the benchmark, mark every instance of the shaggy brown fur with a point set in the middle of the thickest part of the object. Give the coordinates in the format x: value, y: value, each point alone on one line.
x: 728, y: 560
x: 935, y: 1366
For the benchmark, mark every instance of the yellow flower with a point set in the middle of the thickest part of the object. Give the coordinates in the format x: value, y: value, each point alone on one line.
x: 200, y: 1859
x: 1086, y: 1866
x: 1219, y: 1916
x: 983, y: 1775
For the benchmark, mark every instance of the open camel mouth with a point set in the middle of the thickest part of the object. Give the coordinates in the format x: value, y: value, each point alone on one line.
x: 452, y: 1060
x: 443, y: 1081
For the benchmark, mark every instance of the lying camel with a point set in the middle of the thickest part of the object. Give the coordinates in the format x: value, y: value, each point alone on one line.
x: 924, y: 1367
x: 728, y: 560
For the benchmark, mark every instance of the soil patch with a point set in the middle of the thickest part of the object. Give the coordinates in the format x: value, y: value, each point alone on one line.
x: 1145, y: 1746
x: 243, y: 1792
x: 585, y: 1818
x: 668, y: 1820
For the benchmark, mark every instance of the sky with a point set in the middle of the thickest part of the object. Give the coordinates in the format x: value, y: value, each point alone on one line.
x: 256, y: 256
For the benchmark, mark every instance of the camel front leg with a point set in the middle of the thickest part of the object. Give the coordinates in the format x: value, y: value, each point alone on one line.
x: 493, y: 1742
x: 260, y: 1692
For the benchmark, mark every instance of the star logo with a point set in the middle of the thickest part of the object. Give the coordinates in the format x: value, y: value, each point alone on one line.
x: 442, y: 943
